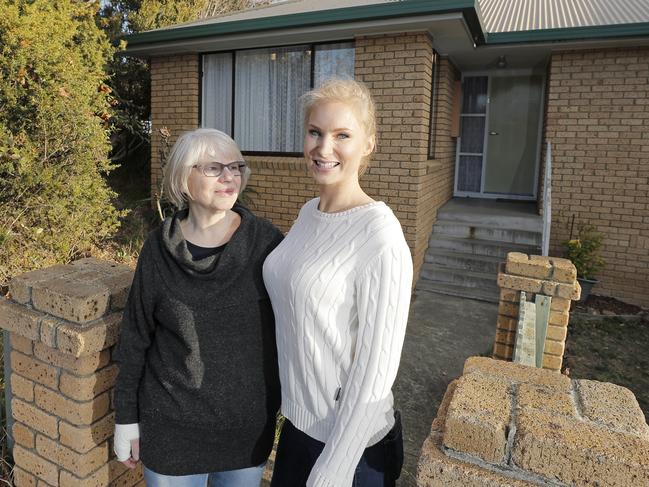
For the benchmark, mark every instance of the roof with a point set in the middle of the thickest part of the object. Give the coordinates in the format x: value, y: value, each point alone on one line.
x: 488, y: 22
x: 527, y: 15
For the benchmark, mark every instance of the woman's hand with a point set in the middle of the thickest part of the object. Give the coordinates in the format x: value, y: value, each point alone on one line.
x: 126, y: 444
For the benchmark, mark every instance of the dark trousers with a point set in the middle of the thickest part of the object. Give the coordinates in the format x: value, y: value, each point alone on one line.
x: 297, y: 453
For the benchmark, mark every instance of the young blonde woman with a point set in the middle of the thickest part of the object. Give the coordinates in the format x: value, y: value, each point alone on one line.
x: 340, y: 286
x: 198, y: 389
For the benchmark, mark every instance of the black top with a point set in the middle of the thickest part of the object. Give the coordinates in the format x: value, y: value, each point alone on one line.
x: 199, y: 252
x: 197, y: 354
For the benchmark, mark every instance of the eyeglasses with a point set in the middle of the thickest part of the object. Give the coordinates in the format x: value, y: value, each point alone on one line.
x: 215, y: 169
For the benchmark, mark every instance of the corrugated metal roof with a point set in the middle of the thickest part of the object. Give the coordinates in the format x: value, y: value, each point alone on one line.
x: 524, y: 15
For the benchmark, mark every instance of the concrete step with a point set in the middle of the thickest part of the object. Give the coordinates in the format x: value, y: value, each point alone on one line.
x: 458, y: 277
x: 486, y: 232
x: 488, y: 295
x: 481, y: 247
x: 469, y: 262
x: 519, y: 215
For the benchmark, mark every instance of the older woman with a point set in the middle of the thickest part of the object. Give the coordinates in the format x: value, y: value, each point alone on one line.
x: 198, y: 389
x: 340, y: 285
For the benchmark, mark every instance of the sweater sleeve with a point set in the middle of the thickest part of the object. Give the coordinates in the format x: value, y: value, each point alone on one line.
x: 135, y: 338
x: 383, y: 292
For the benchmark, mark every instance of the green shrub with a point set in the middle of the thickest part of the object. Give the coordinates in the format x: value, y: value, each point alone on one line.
x: 582, y: 251
x: 54, y: 140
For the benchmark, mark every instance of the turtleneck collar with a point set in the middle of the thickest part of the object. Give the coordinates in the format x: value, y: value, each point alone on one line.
x: 234, y: 254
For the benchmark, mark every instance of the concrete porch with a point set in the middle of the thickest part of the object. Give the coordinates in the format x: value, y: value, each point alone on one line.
x: 470, y: 238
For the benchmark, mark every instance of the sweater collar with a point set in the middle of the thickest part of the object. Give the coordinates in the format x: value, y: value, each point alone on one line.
x: 231, y: 260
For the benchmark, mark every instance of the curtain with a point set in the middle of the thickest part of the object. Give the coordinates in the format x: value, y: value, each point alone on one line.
x: 217, y: 92
x: 333, y: 60
x: 268, y: 85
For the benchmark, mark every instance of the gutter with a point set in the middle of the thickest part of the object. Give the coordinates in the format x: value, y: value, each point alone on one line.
x: 405, y: 8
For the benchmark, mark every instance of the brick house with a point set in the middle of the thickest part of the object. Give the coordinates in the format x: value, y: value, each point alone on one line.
x: 470, y: 94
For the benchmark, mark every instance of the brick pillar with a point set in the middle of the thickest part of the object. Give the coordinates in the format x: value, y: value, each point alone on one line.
x: 550, y: 276
x: 509, y: 424
x: 63, y: 322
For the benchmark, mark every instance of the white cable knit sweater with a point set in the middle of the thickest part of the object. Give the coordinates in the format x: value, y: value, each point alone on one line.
x: 340, y: 287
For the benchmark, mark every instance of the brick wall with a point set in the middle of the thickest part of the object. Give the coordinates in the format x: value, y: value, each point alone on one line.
x: 598, y: 123
x: 63, y: 322
x: 509, y: 424
x: 398, y: 70
x: 436, y: 187
x: 534, y: 274
x: 174, y: 103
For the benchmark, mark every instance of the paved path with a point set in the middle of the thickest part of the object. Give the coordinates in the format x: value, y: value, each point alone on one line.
x: 442, y: 332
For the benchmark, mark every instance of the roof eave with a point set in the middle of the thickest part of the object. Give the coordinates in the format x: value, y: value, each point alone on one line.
x: 599, y: 32
x: 468, y: 8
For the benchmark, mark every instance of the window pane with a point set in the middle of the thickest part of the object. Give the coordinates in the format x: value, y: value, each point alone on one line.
x: 217, y: 92
x: 474, y: 94
x: 469, y: 174
x: 472, y: 134
x: 333, y: 61
x: 268, y: 85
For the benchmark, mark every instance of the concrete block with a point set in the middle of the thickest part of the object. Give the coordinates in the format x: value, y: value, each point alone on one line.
x: 560, y: 305
x: 79, y: 464
x: 509, y: 295
x: 22, y: 388
x: 84, y: 438
x: 519, y: 283
x: 34, y: 369
x: 35, y: 418
x: 21, y: 344
x: 77, y: 365
x: 81, y: 341
x: 538, y: 268
x: 478, y: 417
x: 612, y: 406
x: 85, y: 388
x: 552, y: 362
x: 39, y: 467
x: 72, y: 297
x: 517, y: 373
x: 563, y: 270
x: 22, y: 478
x: 507, y: 322
x: 557, y: 333
x: 503, y: 351
x: 102, y: 477
x: 78, y: 413
x: 20, y: 320
x: 568, y: 291
x: 49, y: 324
x: 20, y: 287
x: 554, y: 348
x: 23, y: 435
x: 584, y: 451
x: 546, y: 399
x: 508, y: 309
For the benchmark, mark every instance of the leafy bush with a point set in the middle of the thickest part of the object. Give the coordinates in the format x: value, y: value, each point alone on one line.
x: 582, y: 251
x: 54, y: 139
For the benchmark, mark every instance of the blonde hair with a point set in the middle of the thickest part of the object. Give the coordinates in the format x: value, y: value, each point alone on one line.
x: 353, y: 94
x: 187, y: 151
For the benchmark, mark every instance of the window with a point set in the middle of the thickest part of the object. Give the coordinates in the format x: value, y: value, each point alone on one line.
x: 254, y: 94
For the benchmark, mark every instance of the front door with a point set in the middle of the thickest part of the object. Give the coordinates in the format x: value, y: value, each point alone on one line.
x: 499, y: 145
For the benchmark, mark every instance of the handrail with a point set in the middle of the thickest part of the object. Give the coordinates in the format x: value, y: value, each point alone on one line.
x: 547, y: 201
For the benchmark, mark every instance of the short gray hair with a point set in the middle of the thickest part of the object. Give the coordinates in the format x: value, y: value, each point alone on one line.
x: 187, y: 151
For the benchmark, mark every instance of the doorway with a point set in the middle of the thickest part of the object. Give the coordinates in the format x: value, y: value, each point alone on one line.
x: 498, y: 150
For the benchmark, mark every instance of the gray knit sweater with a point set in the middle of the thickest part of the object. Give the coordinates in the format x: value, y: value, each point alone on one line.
x: 197, y: 353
